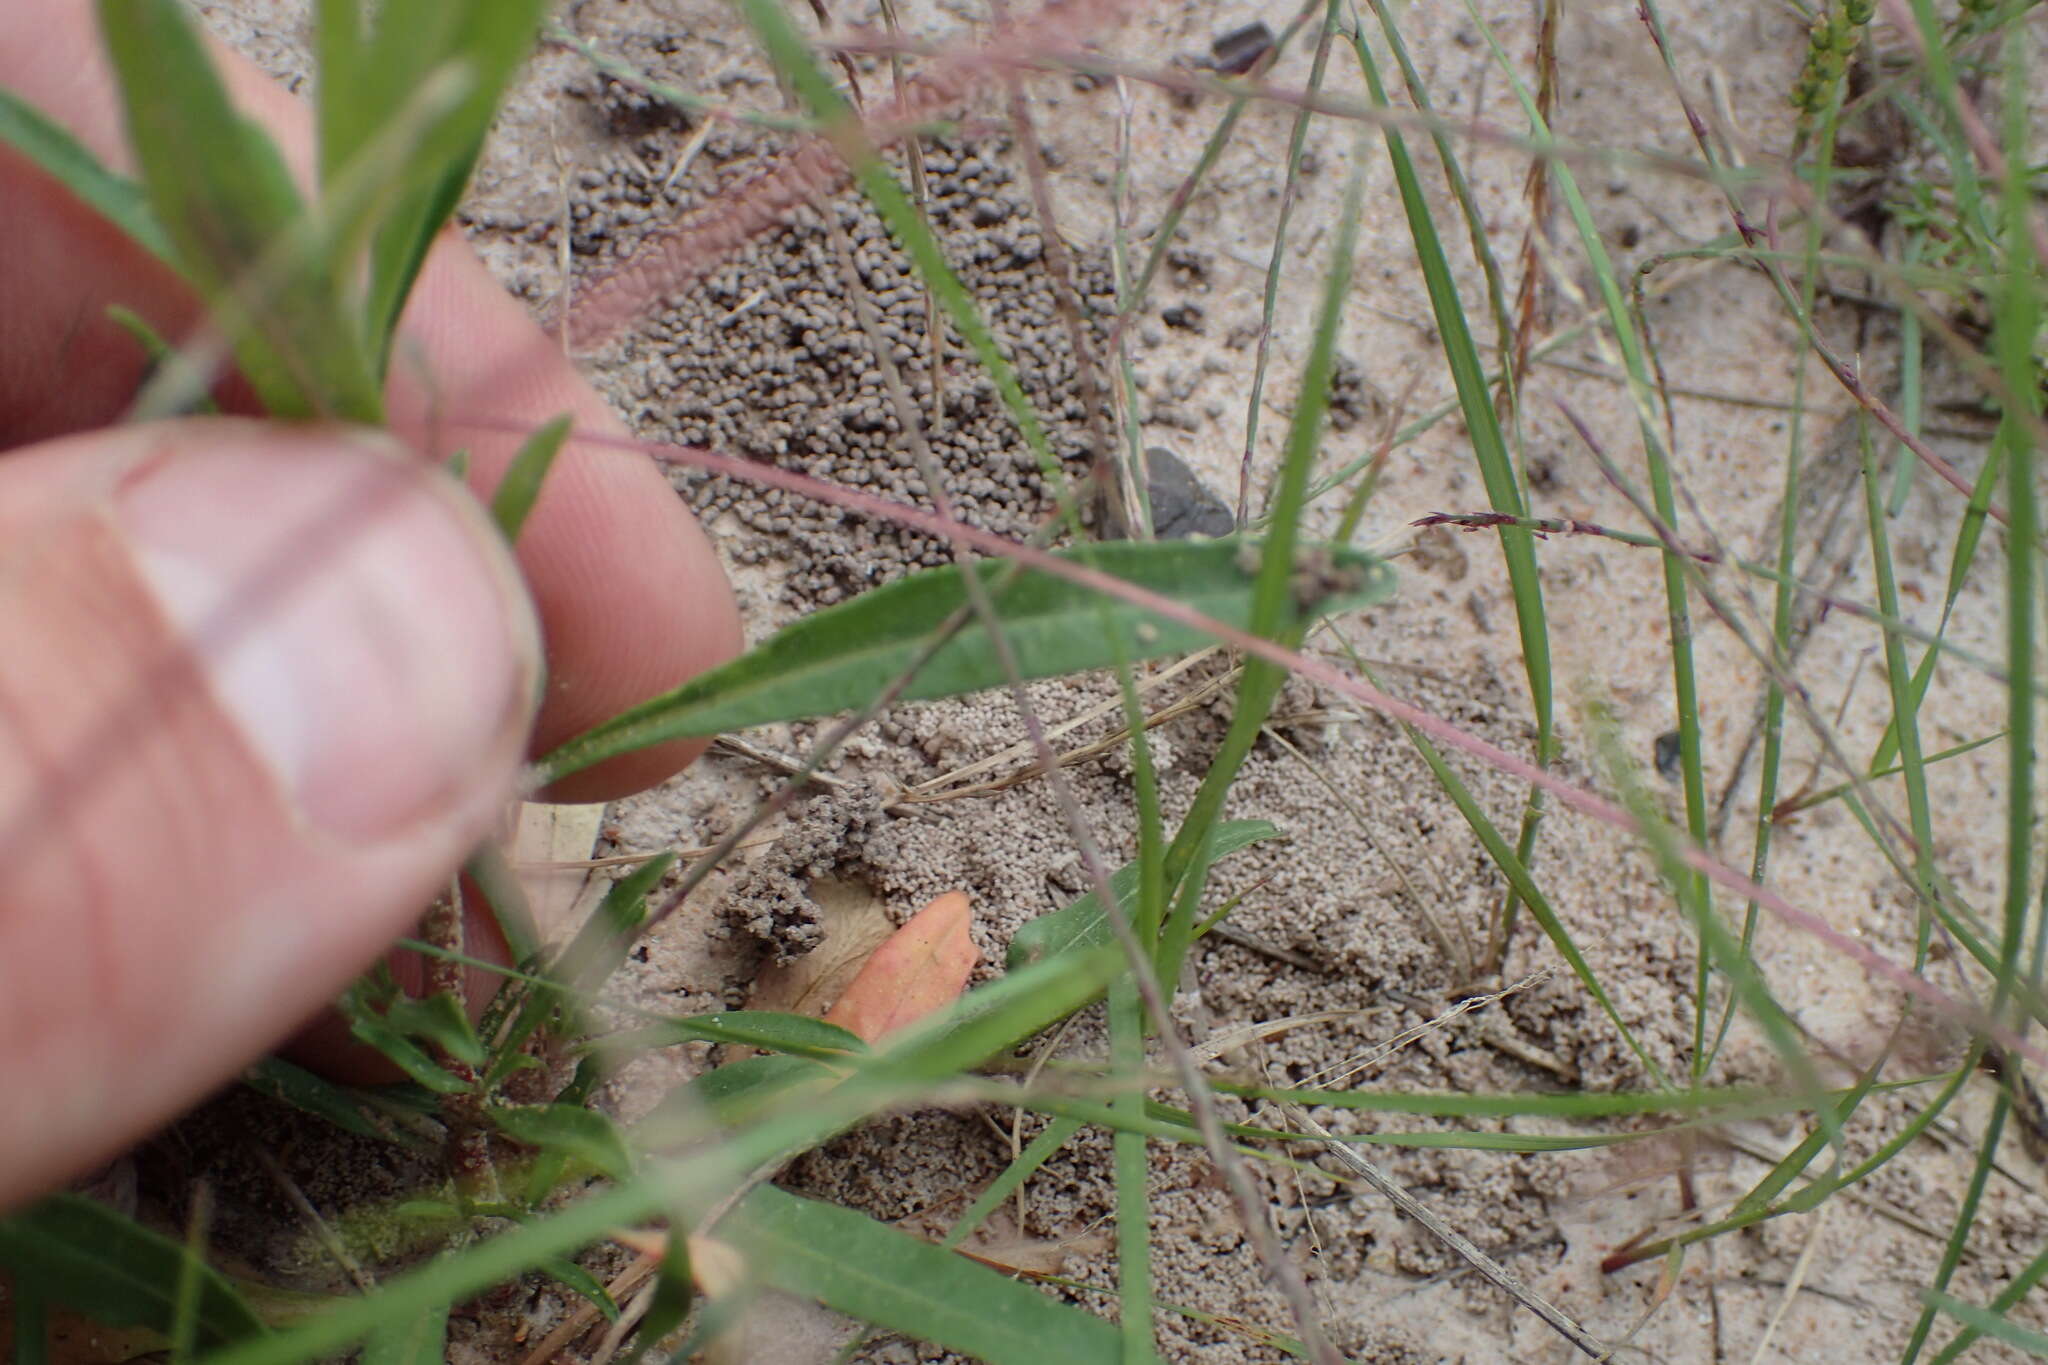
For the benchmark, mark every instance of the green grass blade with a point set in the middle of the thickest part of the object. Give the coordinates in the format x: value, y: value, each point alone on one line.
x: 520, y: 489
x: 1965, y: 1220
x: 302, y: 1090
x: 1968, y: 537
x: 581, y: 1283
x: 1990, y: 1324
x: 1905, y: 713
x: 1131, y: 1169
x: 589, y: 960
x: 675, y: 1291
x: 1489, y: 446
x: 1036, y: 1153
x: 2022, y: 1284
x: 220, y: 188
x: 982, y: 1023
x: 1082, y: 925
x: 2016, y: 331
x: 31, y: 1327
x: 839, y: 658
x: 1729, y: 1104
x: 74, y: 1251
x: 799, y: 1035
x: 1271, y: 614
x: 879, y: 1275
x: 417, y: 1340
x: 113, y: 196
x: 1516, y: 872
x: 584, y: 1135
x: 368, y: 74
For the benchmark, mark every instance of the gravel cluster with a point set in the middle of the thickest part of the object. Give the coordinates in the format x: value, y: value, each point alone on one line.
x: 764, y: 358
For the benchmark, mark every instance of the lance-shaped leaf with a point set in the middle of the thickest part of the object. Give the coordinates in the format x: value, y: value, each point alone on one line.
x: 881, y: 1275
x: 842, y: 657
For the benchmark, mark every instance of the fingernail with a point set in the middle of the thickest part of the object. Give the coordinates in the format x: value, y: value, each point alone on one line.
x: 357, y: 619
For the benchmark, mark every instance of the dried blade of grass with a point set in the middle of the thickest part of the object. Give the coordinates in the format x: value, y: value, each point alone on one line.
x: 1151, y: 720
x: 1342, y: 1072
x: 1131, y: 302
x: 1022, y: 749
x: 1352, y: 1161
x: 1489, y: 449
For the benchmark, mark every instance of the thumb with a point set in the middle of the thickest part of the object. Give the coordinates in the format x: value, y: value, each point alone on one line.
x: 261, y: 688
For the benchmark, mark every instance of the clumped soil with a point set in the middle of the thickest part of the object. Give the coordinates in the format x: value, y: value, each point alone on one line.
x: 1371, y: 911
x: 765, y: 357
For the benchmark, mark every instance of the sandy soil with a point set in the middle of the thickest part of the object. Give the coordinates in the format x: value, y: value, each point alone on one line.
x: 1377, y: 903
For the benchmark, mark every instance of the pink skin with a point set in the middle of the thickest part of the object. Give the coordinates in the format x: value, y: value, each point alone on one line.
x: 167, y: 912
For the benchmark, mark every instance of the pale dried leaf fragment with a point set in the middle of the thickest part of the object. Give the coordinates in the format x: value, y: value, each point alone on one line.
x: 855, y: 925
x: 552, y: 848
x: 923, y: 967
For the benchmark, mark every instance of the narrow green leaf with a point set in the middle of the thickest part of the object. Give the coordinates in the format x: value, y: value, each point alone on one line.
x: 879, y: 1275
x: 1989, y: 1323
x: 301, y: 1089
x: 596, y: 951
x: 730, y: 1094
x: 417, y: 1340
x: 984, y: 1022
x: 842, y: 656
x: 440, y: 1020
x: 159, y: 351
x: 1082, y: 925
x: 220, y: 188
x: 368, y: 1026
x: 373, y: 58
x: 797, y: 1034
x: 74, y: 1251
x: 584, y: 1284
x: 520, y: 488
x: 675, y: 1290
x: 115, y: 197
x: 584, y: 1134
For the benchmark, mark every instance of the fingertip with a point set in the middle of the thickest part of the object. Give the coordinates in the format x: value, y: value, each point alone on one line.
x: 187, y: 855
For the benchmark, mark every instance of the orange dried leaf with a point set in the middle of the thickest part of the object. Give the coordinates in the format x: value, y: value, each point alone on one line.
x: 923, y: 967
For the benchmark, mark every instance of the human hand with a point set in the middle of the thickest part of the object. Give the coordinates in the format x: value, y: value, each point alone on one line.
x: 263, y: 686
